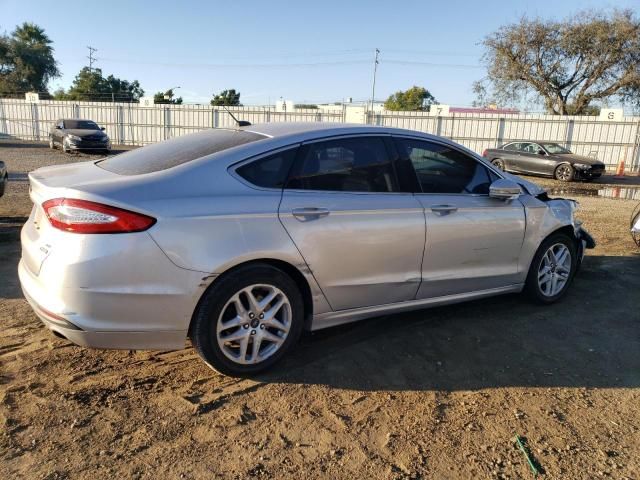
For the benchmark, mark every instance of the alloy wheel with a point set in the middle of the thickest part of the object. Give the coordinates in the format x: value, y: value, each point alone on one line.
x: 554, y: 270
x: 498, y: 164
x: 254, y: 324
x: 564, y: 173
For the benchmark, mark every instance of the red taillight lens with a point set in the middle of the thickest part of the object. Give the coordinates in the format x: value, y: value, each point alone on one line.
x: 83, y: 216
x: 484, y: 152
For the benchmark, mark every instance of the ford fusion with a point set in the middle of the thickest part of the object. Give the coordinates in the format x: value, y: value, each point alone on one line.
x: 240, y: 239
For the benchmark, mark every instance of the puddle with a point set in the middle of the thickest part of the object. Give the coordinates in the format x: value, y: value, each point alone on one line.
x: 623, y: 193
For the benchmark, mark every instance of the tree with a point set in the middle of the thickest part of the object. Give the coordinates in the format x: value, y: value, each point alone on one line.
x: 306, y: 106
x: 227, y: 97
x: 416, y: 98
x: 167, y: 98
x: 26, y: 61
x: 567, y: 64
x: 91, y: 86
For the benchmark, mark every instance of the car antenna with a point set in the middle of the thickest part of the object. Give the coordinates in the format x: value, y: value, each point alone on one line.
x: 241, y: 123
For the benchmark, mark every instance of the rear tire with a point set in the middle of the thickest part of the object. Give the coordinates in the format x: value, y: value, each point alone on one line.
x: 231, y: 322
x: 551, y: 273
x: 564, y: 173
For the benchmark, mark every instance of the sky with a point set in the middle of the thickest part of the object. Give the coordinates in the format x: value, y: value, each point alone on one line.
x: 307, y: 52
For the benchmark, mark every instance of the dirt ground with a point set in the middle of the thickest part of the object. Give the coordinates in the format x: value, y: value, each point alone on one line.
x: 437, y: 393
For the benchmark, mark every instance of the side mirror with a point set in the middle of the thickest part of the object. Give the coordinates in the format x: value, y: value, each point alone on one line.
x: 58, y: 127
x: 504, y: 189
x: 102, y: 128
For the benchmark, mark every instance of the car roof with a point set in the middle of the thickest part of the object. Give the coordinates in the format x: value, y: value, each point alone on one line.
x: 309, y: 130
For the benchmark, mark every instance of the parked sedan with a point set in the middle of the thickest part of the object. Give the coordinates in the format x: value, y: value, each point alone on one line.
x: 75, y: 134
x: 4, y: 178
x: 242, y: 238
x: 545, y: 159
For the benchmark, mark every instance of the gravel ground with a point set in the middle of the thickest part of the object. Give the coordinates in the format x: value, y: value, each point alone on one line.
x: 437, y: 393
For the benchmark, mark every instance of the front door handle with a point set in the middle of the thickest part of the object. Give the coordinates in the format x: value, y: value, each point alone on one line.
x: 443, y: 209
x: 309, y: 213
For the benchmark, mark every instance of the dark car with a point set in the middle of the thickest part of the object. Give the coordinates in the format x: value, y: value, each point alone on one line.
x: 545, y: 159
x: 75, y: 134
x: 4, y: 178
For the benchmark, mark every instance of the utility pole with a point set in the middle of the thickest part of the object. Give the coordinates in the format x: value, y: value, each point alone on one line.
x: 375, y: 69
x: 91, y: 57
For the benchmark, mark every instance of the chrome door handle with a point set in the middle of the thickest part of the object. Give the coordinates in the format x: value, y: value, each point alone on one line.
x: 307, y: 213
x: 443, y: 209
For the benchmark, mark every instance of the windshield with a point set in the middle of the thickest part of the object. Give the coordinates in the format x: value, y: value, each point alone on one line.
x: 167, y: 154
x: 554, y: 148
x: 81, y: 125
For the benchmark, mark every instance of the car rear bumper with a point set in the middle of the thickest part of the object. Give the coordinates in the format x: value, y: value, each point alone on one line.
x: 77, y: 329
x: 107, y: 291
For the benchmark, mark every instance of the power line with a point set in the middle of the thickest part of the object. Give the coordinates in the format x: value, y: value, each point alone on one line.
x: 91, y: 57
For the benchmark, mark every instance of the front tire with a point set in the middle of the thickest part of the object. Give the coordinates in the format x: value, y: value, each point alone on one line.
x: 498, y: 163
x: 564, y: 173
x: 248, y: 321
x: 552, y: 270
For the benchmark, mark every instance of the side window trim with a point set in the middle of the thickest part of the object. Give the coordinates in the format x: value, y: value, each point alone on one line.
x: 384, y: 137
x: 232, y: 168
x: 443, y: 144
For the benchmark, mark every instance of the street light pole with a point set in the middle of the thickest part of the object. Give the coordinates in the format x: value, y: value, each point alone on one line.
x: 166, y: 94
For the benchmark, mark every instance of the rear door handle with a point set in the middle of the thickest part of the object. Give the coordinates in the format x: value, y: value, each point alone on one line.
x: 309, y: 213
x: 443, y: 209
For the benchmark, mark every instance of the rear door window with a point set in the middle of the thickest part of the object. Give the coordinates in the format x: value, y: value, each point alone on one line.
x: 177, y: 151
x: 357, y: 164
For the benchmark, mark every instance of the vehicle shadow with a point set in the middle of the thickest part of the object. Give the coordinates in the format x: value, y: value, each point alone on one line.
x: 590, y: 339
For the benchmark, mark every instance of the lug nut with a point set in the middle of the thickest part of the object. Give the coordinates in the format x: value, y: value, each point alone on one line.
x: 246, y: 325
x: 251, y: 315
x: 253, y: 332
x: 261, y: 316
x: 262, y: 326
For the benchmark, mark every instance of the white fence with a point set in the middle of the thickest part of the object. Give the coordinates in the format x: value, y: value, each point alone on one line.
x: 132, y: 124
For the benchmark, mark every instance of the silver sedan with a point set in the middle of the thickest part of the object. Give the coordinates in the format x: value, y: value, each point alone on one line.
x: 240, y: 239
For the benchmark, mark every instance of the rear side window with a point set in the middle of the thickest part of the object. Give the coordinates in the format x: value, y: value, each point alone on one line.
x: 441, y: 169
x: 344, y: 165
x: 164, y: 155
x: 269, y: 172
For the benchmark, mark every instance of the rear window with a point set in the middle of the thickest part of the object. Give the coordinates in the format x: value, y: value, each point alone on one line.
x: 174, y: 152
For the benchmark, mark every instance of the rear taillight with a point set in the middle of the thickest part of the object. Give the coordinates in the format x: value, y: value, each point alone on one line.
x: 484, y: 152
x: 82, y: 216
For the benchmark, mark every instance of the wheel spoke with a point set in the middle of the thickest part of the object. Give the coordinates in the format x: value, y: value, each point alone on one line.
x: 235, y: 336
x: 274, y: 323
x: 244, y: 343
x: 236, y: 321
x: 237, y: 302
x: 254, y: 304
x: 267, y: 299
x: 271, y: 313
x: 255, y: 348
x: 267, y: 335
